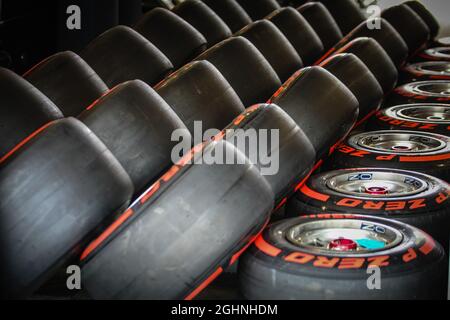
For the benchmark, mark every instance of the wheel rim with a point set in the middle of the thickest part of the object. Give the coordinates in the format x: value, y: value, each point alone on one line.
x: 376, y: 184
x: 435, y: 67
x: 398, y: 142
x: 343, y: 237
x: 442, y: 52
x: 444, y: 41
x: 430, y: 88
x: 425, y: 113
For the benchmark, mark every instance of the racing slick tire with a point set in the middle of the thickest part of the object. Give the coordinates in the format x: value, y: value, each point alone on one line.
x: 423, y: 71
x: 432, y: 91
x: 428, y: 117
x: 285, y: 262
x: 424, y: 152
x: 176, y: 239
x: 427, y: 17
x: 442, y: 42
x: 410, y: 197
x: 435, y: 54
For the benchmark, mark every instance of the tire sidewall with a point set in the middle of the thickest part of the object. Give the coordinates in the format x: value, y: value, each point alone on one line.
x: 293, y: 266
x: 404, y: 94
x: 436, y: 197
x: 349, y: 155
x: 383, y: 121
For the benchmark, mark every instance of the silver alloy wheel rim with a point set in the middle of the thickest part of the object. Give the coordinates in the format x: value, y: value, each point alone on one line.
x: 376, y: 184
x: 432, y: 68
x: 444, y: 41
x: 438, y: 88
x: 442, y: 52
x: 424, y: 113
x: 399, y: 142
x: 317, y: 236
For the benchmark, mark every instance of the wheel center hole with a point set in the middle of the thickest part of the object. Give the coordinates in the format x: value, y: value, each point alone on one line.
x: 435, y: 118
x: 343, y: 244
x: 401, y: 148
x: 377, y: 190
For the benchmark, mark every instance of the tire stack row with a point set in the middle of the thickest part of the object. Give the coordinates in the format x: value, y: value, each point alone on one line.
x: 86, y: 135
x: 362, y: 177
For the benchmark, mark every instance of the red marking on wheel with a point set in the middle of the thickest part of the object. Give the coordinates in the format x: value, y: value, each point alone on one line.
x: 377, y: 190
x: 342, y: 244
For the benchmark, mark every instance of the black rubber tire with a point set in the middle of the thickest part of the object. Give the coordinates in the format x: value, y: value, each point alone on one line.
x: 435, y: 54
x: 376, y: 59
x: 346, y: 13
x: 175, y: 37
x: 82, y: 86
x: 274, y: 46
x: 386, y: 36
x: 177, y: 239
x: 322, y: 22
x: 276, y: 269
x: 428, y: 210
x: 391, y: 119
x: 409, y: 25
x: 350, y: 155
x: 294, y: 152
x: 427, y: 17
x: 414, y: 92
x: 231, y: 13
x: 136, y: 125
x: 245, y: 68
x: 142, y: 59
x: 57, y: 192
x: 299, y: 32
x: 24, y: 110
x: 199, y: 92
x: 204, y: 19
x: 416, y: 72
x: 352, y: 72
x: 303, y: 96
x: 441, y: 42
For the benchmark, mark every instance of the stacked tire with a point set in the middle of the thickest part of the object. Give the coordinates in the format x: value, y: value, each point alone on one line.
x: 85, y: 150
x: 393, y: 175
x: 288, y: 262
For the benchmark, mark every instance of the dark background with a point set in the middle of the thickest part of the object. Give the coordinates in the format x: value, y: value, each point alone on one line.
x: 31, y: 30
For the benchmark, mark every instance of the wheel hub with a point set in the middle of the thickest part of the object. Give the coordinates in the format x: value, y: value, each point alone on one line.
x: 438, y: 88
x: 444, y: 41
x: 377, y: 190
x: 341, y: 237
x: 441, y: 52
x: 343, y: 244
x: 427, y: 113
x: 435, y: 67
x: 376, y: 184
x: 399, y: 142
